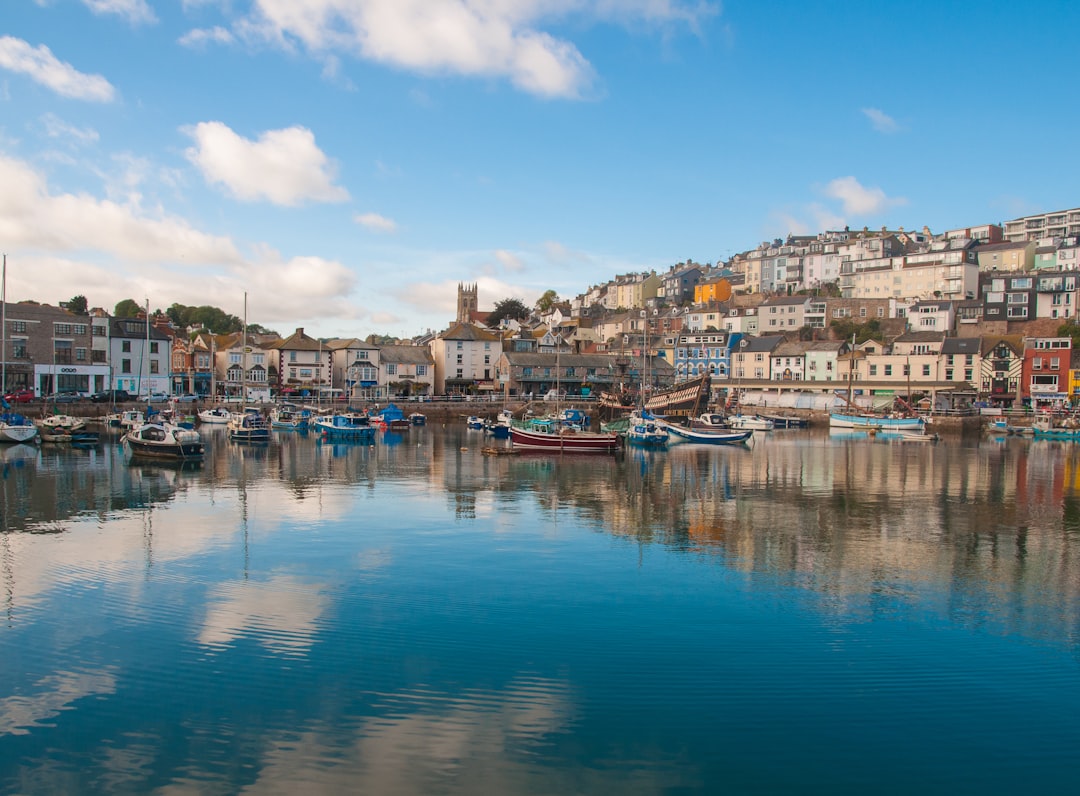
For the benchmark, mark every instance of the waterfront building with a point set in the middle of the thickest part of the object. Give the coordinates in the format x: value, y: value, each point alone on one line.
x: 698, y: 352
x: 303, y: 364
x: 48, y: 349
x: 406, y: 370
x: 354, y: 368
x: 140, y: 362
x: 821, y: 359
x: 1001, y: 369
x: 465, y: 357
x: 1044, y: 381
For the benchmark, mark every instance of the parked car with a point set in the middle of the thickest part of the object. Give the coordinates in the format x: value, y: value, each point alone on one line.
x: 185, y: 398
x: 156, y: 397
x: 111, y: 396
x: 63, y: 397
x: 22, y: 396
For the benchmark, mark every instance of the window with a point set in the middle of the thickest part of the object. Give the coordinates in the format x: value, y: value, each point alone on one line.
x: 62, y: 328
x: 460, y: 345
x: 1036, y: 363
x: 873, y: 370
x: 888, y: 370
x: 153, y: 348
x: 1055, y: 363
x: 125, y: 346
x: 154, y: 366
x: 80, y: 354
x: 125, y: 366
x: 292, y: 356
x: 391, y: 369
x: 361, y: 354
x: 926, y: 370
x: 18, y: 326
x: 421, y: 370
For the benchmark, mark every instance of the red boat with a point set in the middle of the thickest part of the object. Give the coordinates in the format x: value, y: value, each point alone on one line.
x: 564, y: 440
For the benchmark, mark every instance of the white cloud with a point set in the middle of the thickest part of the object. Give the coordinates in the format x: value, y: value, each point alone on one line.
x: 200, y: 37
x: 284, y: 167
x: 509, y: 260
x: 481, y: 38
x: 881, y: 121
x: 32, y: 217
x: 858, y: 200
x: 134, y: 11
x: 376, y: 222
x: 43, y: 67
x: 55, y: 127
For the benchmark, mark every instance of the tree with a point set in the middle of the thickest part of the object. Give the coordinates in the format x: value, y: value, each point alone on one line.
x: 76, y: 305
x: 547, y: 301
x: 844, y: 328
x: 508, y: 308
x: 1070, y: 329
x: 127, y: 308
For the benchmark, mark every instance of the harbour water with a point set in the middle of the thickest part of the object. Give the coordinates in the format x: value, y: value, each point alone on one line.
x: 818, y: 613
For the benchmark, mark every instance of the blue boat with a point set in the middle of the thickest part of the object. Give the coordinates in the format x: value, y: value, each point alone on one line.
x: 646, y: 431
x: 352, y: 426
x: 879, y: 422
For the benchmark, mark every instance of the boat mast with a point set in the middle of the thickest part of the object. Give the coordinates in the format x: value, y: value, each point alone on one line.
x: 3, y: 328
x: 243, y: 357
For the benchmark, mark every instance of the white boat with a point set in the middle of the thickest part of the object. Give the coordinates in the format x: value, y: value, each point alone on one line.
x: 709, y: 436
x: 16, y: 428
x: 215, y: 414
x: 60, y: 424
x: 711, y: 420
x: 646, y: 431
x: 160, y: 440
x: 249, y: 426
x: 917, y: 436
x: 749, y: 423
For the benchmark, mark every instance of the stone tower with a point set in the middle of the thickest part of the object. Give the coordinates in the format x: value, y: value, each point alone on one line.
x: 467, y: 302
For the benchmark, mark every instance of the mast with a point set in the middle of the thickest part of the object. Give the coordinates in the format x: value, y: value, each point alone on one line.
x: 3, y: 328
x: 243, y: 357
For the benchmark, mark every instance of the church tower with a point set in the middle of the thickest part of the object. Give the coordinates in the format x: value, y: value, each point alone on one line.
x: 467, y: 302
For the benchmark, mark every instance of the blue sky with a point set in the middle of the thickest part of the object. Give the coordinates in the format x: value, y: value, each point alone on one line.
x: 347, y: 163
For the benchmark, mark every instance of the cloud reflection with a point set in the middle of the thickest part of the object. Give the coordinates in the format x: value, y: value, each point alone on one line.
x: 281, y: 614
x: 19, y: 714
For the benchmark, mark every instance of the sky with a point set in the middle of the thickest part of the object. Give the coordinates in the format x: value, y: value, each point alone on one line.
x: 346, y: 164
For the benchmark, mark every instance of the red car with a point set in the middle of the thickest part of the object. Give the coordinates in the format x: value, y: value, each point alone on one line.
x: 20, y: 396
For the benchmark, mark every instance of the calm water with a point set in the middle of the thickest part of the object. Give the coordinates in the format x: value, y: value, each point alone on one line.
x: 817, y: 614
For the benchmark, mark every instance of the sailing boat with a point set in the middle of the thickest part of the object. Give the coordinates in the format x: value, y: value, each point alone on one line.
x: 558, y: 438
x: 645, y: 430
x: 853, y: 419
x: 249, y: 425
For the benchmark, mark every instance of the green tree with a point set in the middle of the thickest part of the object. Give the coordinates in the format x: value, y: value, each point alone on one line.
x: 1070, y: 329
x: 127, y: 308
x: 509, y: 308
x: 76, y: 305
x: 547, y: 301
x: 844, y: 328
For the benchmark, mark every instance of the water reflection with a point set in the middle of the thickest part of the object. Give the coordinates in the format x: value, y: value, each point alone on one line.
x: 419, y: 616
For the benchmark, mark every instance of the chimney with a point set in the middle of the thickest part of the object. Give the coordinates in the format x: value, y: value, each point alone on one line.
x: 300, y: 331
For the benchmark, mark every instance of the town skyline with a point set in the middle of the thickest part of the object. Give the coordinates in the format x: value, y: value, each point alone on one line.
x: 347, y: 164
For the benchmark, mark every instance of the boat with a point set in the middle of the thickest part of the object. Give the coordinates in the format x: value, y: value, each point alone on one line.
x: 749, y: 423
x: 474, y: 421
x: 685, y: 399
x: 249, y: 426
x: 391, y: 418
x: 352, y: 426
x: 60, y: 424
x: 917, y: 436
x: 646, y: 431
x: 999, y: 426
x: 785, y: 421
x: 708, y: 436
x: 15, y: 427
x: 564, y: 440
x: 418, y: 419
x: 1044, y: 427
x: 711, y: 420
x: 572, y: 418
x: 163, y: 440
x: 290, y: 417
x: 499, y: 428
x: 888, y: 423
x: 215, y: 415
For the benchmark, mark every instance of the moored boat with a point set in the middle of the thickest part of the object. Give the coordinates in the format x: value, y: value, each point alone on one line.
x: 564, y: 440
x: 646, y: 431
x: 215, y: 414
x: 290, y: 417
x: 249, y: 426
x: 16, y: 428
x: 350, y: 426
x: 880, y: 422
x: 162, y: 440
x: 749, y: 423
x: 709, y: 436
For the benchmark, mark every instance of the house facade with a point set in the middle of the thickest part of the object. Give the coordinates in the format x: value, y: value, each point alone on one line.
x: 465, y: 356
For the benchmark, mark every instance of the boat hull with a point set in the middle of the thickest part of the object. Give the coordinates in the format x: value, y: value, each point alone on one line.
x: 564, y: 442
x: 710, y: 436
x: 17, y: 433
x: 837, y: 420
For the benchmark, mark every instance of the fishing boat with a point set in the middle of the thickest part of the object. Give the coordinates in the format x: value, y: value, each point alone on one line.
x: 290, y: 417
x: 646, y: 431
x: 418, y: 419
x: 887, y: 423
x: 564, y: 440
x: 474, y: 422
x: 1044, y: 427
x: 708, y: 436
x: 162, y: 440
x: 216, y: 415
x: 60, y: 424
x: 249, y: 426
x: 348, y: 426
x: 391, y: 418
